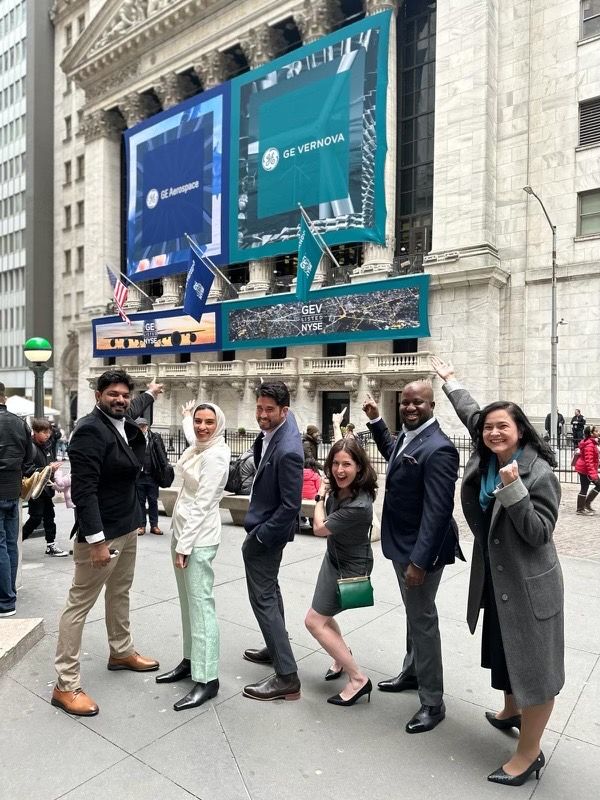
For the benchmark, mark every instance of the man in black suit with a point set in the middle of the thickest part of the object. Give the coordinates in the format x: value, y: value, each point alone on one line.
x: 419, y: 536
x: 106, y: 452
x: 271, y: 522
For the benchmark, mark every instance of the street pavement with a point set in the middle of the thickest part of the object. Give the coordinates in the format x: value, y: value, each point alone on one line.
x: 233, y: 748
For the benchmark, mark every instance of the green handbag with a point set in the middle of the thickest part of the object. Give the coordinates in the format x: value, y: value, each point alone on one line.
x: 355, y: 592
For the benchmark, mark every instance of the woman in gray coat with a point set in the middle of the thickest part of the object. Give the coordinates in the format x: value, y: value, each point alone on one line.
x: 510, y: 498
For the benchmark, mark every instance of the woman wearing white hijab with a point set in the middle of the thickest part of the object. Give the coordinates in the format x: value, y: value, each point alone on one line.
x: 196, y: 527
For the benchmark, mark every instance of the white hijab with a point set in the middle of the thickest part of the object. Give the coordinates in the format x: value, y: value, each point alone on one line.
x: 216, y: 438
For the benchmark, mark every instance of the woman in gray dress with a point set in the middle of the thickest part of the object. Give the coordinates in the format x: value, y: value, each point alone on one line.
x: 510, y: 498
x: 344, y: 514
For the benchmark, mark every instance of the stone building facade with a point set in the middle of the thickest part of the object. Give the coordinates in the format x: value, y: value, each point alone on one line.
x: 484, y: 99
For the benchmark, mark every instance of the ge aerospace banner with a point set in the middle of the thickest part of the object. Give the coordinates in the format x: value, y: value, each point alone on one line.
x: 176, y: 181
x: 391, y: 309
x: 309, y: 128
x: 155, y: 333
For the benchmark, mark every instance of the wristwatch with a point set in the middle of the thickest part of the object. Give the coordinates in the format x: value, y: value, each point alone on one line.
x: 318, y: 498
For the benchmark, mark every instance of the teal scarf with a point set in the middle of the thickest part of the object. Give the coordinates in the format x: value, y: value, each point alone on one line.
x: 491, y: 479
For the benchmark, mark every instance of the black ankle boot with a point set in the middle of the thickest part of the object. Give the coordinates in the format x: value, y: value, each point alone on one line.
x: 181, y: 671
x: 200, y: 693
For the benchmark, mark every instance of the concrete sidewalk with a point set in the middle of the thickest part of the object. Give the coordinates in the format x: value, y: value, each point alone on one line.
x: 138, y: 748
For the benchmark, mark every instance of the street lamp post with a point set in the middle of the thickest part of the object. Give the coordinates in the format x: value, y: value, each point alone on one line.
x: 37, y: 351
x: 553, y: 328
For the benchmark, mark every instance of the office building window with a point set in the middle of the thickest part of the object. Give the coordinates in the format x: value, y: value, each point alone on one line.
x: 80, y: 213
x: 68, y: 35
x: 67, y: 173
x: 67, y: 218
x: 80, y: 168
x: 67, y: 262
x: 589, y: 213
x: 590, y: 18
x: 80, y: 24
x: 68, y: 130
x: 80, y: 256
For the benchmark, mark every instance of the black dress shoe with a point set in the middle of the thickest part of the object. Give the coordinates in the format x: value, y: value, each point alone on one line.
x: 400, y: 683
x: 332, y: 674
x: 200, y: 693
x: 338, y: 700
x: 261, y: 656
x: 181, y: 671
x: 499, y: 776
x: 503, y: 724
x: 275, y: 687
x: 426, y: 718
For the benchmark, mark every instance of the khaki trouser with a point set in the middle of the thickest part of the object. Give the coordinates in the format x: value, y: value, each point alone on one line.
x: 87, y: 584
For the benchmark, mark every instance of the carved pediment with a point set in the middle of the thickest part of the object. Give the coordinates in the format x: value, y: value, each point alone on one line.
x: 123, y: 30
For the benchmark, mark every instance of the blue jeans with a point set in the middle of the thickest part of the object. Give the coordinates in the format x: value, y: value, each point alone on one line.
x: 9, y: 553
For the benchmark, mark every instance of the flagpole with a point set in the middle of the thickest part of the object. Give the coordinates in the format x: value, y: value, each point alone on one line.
x: 121, y: 275
x: 207, y: 260
x: 318, y: 236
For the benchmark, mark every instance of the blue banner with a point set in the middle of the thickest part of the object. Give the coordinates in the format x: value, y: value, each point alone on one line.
x: 309, y: 255
x: 177, y: 182
x: 309, y: 129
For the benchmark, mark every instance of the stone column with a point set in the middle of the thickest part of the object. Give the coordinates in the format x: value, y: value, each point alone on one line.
x: 102, y: 237
x: 213, y: 69
x: 378, y: 258
x: 317, y: 18
x: 260, y: 278
x: 171, y: 295
x: 137, y: 107
x: 172, y: 89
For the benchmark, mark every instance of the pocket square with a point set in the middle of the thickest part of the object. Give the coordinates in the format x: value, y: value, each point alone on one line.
x: 410, y: 459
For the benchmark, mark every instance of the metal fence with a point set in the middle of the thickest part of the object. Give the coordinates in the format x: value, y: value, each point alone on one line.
x: 175, y: 444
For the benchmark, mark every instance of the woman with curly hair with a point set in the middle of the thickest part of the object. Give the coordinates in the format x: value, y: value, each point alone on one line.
x: 344, y: 514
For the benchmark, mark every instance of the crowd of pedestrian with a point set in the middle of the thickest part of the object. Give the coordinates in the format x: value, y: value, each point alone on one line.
x: 510, y: 498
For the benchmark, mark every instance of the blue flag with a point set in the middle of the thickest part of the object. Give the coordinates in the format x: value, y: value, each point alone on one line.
x: 309, y: 256
x: 197, y: 286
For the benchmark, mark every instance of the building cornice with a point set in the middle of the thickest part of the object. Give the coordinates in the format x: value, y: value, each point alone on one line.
x: 64, y: 8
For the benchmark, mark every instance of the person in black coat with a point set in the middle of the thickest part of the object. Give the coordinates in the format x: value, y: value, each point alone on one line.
x: 147, y: 486
x: 42, y: 508
x: 419, y: 536
x: 106, y: 452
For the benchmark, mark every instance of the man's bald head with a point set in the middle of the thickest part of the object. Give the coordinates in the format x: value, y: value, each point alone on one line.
x: 416, y: 404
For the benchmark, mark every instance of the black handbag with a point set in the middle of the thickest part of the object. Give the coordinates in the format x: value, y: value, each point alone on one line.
x: 356, y: 592
x: 162, y: 472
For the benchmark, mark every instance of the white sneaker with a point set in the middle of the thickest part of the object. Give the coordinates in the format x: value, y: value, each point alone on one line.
x: 8, y: 613
x: 53, y: 550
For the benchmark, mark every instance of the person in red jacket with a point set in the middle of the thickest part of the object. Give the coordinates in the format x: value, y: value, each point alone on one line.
x: 310, y: 488
x: 586, y: 467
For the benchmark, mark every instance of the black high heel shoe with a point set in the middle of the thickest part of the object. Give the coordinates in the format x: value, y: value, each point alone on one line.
x: 200, y: 693
x: 499, y: 776
x: 503, y: 724
x: 332, y: 675
x: 181, y: 671
x: 337, y: 700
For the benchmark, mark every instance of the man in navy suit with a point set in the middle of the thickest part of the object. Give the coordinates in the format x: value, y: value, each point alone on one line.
x: 419, y: 536
x: 271, y: 522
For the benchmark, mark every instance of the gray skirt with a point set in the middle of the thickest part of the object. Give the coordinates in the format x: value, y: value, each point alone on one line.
x: 325, y: 600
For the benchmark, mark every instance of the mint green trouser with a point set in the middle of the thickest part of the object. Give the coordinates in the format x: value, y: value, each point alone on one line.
x: 198, y: 618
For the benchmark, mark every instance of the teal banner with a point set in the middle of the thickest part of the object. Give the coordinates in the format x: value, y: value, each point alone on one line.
x: 390, y: 309
x: 309, y: 255
x: 309, y: 129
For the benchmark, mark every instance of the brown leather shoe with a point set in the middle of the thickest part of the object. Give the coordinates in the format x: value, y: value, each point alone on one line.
x: 275, y: 687
x: 77, y: 702
x: 141, y: 531
x: 156, y: 530
x: 134, y: 662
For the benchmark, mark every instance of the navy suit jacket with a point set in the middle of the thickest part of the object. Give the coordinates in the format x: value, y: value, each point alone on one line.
x: 417, y: 524
x: 276, y: 499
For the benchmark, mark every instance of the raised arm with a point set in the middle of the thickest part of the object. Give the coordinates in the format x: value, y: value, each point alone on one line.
x: 466, y: 407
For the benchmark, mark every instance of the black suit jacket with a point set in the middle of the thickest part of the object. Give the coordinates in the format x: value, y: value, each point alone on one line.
x: 417, y: 524
x: 104, y: 469
x: 276, y: 498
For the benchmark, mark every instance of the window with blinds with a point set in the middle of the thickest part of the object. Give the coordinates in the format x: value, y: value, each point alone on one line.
x: 589, y: 122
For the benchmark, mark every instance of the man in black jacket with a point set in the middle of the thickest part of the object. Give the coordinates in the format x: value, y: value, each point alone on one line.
x: 147, y: 487
x: 16, y: 455
x: 106, y: 452
x: 41, y: 509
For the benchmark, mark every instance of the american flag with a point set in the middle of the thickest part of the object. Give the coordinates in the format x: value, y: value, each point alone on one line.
x: 120, y: 293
